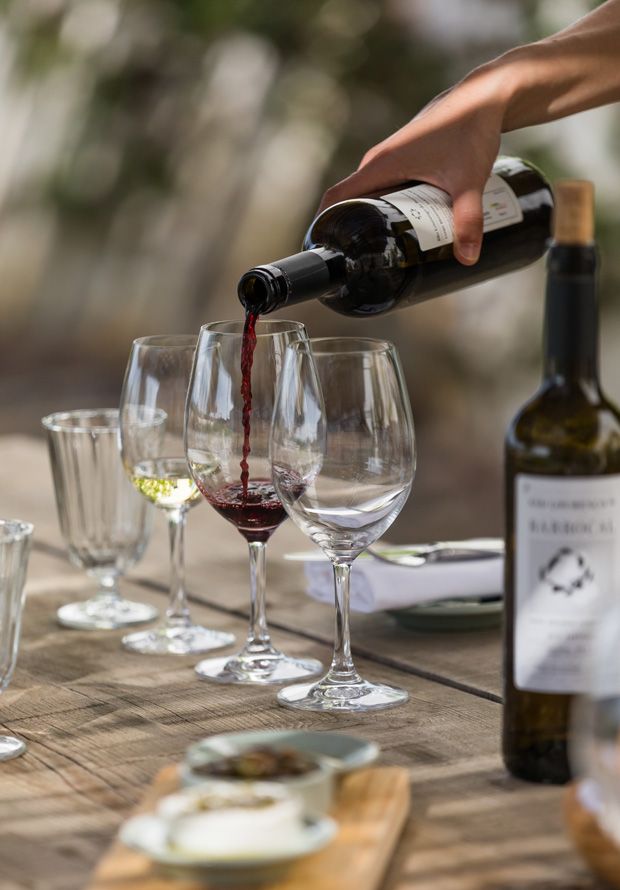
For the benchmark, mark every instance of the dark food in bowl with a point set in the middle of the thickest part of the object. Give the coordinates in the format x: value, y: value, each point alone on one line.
x: 258, y: 763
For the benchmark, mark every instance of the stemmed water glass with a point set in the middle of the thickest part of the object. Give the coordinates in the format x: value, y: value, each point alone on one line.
x: 343, y: 461
x: 15, y: 540
x: 152, y: 416
x: 215, y: 448
x: 104, y: 522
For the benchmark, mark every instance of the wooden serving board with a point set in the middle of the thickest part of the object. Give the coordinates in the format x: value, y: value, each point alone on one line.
x: 371, y: 808
x: 596, y: 847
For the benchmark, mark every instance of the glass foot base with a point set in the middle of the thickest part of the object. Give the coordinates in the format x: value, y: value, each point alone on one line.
x: 182, y: 640
x: 105, y: 614
x: 264, y: 670
x: 352, y: 697
x: 11, y: 747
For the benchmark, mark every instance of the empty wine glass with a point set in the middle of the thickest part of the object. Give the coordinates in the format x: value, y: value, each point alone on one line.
x: 343, y: 459
x: 215, y: 421
x: 104, y: 523
x: 15, y: 539
x: 594, y: 740
x: 152, y: 416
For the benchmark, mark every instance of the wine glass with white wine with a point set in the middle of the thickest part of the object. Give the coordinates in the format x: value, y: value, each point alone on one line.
x: 151, y: 420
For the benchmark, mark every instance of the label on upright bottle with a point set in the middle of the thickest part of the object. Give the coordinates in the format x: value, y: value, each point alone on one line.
x: 567, y: 565
x: 429, y: 210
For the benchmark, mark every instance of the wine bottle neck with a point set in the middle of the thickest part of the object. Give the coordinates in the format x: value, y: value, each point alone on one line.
x: 571, y: 315
x: 303, y: 276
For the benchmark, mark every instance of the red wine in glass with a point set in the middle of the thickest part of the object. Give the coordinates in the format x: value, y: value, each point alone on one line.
x: 255, y: 513
x: 252, y: 506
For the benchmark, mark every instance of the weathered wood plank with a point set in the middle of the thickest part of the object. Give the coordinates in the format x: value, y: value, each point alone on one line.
x: 100, y: 722
x: 217, y: 574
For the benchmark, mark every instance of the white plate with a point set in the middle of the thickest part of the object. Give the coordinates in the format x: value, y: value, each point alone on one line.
x: 148, y: 834
x: 342, y: 752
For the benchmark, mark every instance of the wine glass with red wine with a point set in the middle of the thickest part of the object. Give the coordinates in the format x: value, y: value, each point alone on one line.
x: 227, y: 426
x: 343, y: 460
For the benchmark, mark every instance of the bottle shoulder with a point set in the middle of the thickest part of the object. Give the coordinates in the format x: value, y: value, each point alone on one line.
x: 365, y: 223
x: 381, y: 255
x: 565, y: 430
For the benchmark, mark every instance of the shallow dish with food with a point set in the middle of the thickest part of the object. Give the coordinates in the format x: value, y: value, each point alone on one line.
x: 338, y: 750
x: 304, y: 775
x: 243, y: 833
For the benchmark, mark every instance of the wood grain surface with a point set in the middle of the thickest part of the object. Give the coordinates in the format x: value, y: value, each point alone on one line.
x: 217, y: 574
x: 100, y: 722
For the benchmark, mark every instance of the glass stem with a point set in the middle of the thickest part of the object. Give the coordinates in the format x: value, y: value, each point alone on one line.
x: 108, y: 586
x: 258, y: 635
x: 342, y: 668
x: 177, y: 613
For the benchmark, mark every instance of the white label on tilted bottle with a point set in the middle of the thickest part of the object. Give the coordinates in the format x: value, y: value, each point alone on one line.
x: 567, y: 565
x: 429, y: 210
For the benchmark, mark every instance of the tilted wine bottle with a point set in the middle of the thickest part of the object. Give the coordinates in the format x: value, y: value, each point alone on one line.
x: 562, y: 509
x: 371, y: 255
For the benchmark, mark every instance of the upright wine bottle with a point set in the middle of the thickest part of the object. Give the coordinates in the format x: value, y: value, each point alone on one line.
x: 562, y: 509
x: 371, y: 255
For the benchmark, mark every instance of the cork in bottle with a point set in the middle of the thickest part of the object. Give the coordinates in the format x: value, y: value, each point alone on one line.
x: 574, y: 212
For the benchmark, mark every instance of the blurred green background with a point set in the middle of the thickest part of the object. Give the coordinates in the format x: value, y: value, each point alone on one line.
x: 152, y: 150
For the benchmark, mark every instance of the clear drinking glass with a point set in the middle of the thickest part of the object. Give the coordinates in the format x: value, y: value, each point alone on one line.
x: 15, y: 539
x: 214, y: 442
x: 152, y: 416
x: 343, y: 460
x: 104, y: 523
x: 595, y: 721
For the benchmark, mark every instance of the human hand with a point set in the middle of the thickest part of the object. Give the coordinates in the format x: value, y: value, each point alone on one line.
x: 452, y: 144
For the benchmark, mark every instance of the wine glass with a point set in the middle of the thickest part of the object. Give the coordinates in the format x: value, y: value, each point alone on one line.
x: 152, y: 414
x: 104, y: 522
x: 594, y: 739
x: 15, y: 540
x: 217, y: 416
x: 343, y: 460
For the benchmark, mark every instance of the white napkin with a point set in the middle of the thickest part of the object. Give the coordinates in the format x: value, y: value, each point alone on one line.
x: 376, y: 586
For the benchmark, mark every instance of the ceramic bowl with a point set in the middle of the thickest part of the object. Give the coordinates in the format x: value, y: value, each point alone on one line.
x: 315, y: 789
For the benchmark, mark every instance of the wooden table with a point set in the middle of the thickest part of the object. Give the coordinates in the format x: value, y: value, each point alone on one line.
x: 99, y: 721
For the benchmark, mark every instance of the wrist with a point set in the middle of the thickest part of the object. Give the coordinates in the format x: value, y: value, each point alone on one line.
x: 495, y: 87
x: 507, y: 86
x: 524, y: 78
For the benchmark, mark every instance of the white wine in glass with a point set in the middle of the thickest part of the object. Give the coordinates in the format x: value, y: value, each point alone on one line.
x: 166, y: 483
x: 152, y: 417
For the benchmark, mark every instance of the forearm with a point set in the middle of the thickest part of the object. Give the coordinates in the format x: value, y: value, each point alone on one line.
x: 571, y: 71
x: 453, y: 141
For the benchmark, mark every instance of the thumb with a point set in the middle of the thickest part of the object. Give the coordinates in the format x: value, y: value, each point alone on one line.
x: 467, y: 210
